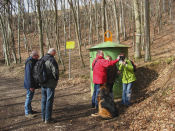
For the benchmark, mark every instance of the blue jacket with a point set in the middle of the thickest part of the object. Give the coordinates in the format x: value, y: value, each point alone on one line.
x: 28, y: 76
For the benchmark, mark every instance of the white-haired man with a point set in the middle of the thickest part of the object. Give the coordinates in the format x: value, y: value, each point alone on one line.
x: 29, y: 83
x: 48, y: 88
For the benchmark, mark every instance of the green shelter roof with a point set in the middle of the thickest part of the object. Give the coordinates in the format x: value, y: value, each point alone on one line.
x: 108, y: 44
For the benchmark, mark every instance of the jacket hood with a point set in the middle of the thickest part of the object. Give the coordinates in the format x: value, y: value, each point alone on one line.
x: 100, y: 57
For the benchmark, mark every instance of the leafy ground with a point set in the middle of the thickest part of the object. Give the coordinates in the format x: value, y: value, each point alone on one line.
x: 153, y: 99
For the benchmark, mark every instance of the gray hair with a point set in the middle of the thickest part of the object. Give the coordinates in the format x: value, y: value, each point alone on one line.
x: 34, y: 53
x: 99, y: 52
x: 51, y: 50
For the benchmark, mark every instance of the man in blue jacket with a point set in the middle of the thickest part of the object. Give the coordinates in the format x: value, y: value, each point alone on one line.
x: 29, y: 83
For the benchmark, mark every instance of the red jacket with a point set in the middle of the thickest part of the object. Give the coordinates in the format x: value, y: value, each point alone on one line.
x: 100, y: 69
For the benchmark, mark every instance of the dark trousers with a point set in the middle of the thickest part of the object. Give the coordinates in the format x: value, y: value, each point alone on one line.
x: 110, y: 86
x: 95, y: 95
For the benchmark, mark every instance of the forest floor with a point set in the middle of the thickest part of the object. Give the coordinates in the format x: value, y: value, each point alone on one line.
x: 153, y: 97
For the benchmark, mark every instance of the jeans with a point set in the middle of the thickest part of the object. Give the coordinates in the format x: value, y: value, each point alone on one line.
x: 47, y: 102
x: 95, y: 95
x: 126, y: 95
x: 29, y: 97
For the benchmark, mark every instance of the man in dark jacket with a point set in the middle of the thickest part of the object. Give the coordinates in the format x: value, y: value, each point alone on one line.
x: 48, y: 88
x: 99, y: 67
x: 29, y: 83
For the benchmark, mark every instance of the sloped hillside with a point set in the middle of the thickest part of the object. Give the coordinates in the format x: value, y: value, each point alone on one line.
x: 153, y: 106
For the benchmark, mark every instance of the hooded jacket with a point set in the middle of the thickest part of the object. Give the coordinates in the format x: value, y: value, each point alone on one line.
x: 127, y: 70
x: 100, y: 69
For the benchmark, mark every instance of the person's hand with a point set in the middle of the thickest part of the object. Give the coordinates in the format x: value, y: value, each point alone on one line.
x: 118, y: 72
x: 32, y: 89
x: 118, y: 57
x: 124, y: 62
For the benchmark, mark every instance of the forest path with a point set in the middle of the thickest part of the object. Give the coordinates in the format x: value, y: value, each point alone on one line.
x: 71, y: 111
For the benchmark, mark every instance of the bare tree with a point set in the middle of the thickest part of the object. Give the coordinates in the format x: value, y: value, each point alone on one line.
x: 40, y: 28
x: 170, y: 9
x: 116, y: 21
x: 5, y: 42
x: 96, y: 20
x: 138, y: 30
x: 104, y: 16
x: 64, y: 19
x: 10, y: 32
x: 147, y: 30
x: 19, y: 20
x: 57, y: 34
x: 77, y: 30
x: 90, y: 23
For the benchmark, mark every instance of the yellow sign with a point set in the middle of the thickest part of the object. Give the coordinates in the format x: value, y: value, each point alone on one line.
x: 108, y: 38
x: 70, y: 45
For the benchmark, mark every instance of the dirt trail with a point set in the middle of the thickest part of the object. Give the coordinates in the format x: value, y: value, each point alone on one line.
x: 71, y: 107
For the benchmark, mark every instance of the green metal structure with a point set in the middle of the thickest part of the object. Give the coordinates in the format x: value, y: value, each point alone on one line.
x: 112, y: 49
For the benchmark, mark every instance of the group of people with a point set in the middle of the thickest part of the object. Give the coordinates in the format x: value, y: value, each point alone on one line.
x: 105, y: 72
x: 47, y: 88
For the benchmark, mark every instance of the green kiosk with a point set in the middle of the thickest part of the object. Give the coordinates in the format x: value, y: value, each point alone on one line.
x: 113, y: 49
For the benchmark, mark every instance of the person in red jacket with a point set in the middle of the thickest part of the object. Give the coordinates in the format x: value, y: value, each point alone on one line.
x: 99, y: 67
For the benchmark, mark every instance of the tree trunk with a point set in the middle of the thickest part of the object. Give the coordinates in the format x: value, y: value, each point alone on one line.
x: 138, y: 30
x: 164, y: 6
x: 123, y: 21
x: 147, y: 31
x: 106, y: 18
x: 69, y: 24
x: 133, y: 24
x: 142, y: 26
x: 76, y: 21
x: 159, y: 19
x: 116, y: 21
x: 19, y: 20
x: 11, y: 36
x: 103, y: 17
x: 40, y: 28
x: 90, y: 24
x: 57, y: 35
x: 5, y: 42
x: 170, y: 9
x: 64, y: 23
x: 96, y: 20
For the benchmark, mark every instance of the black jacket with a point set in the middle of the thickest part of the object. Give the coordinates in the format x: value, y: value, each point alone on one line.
x: 52, y: 71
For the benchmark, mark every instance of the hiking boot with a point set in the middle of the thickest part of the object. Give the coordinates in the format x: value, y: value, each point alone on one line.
x: 33, y: 112
x: 95, y: 115
x: 93, y: 106
x: 49, y: 121
x: 30, y: 116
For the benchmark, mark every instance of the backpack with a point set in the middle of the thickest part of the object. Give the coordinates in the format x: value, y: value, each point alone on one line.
x: 39, y: 71
x: 134, y: 66
x: 94, y: 64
